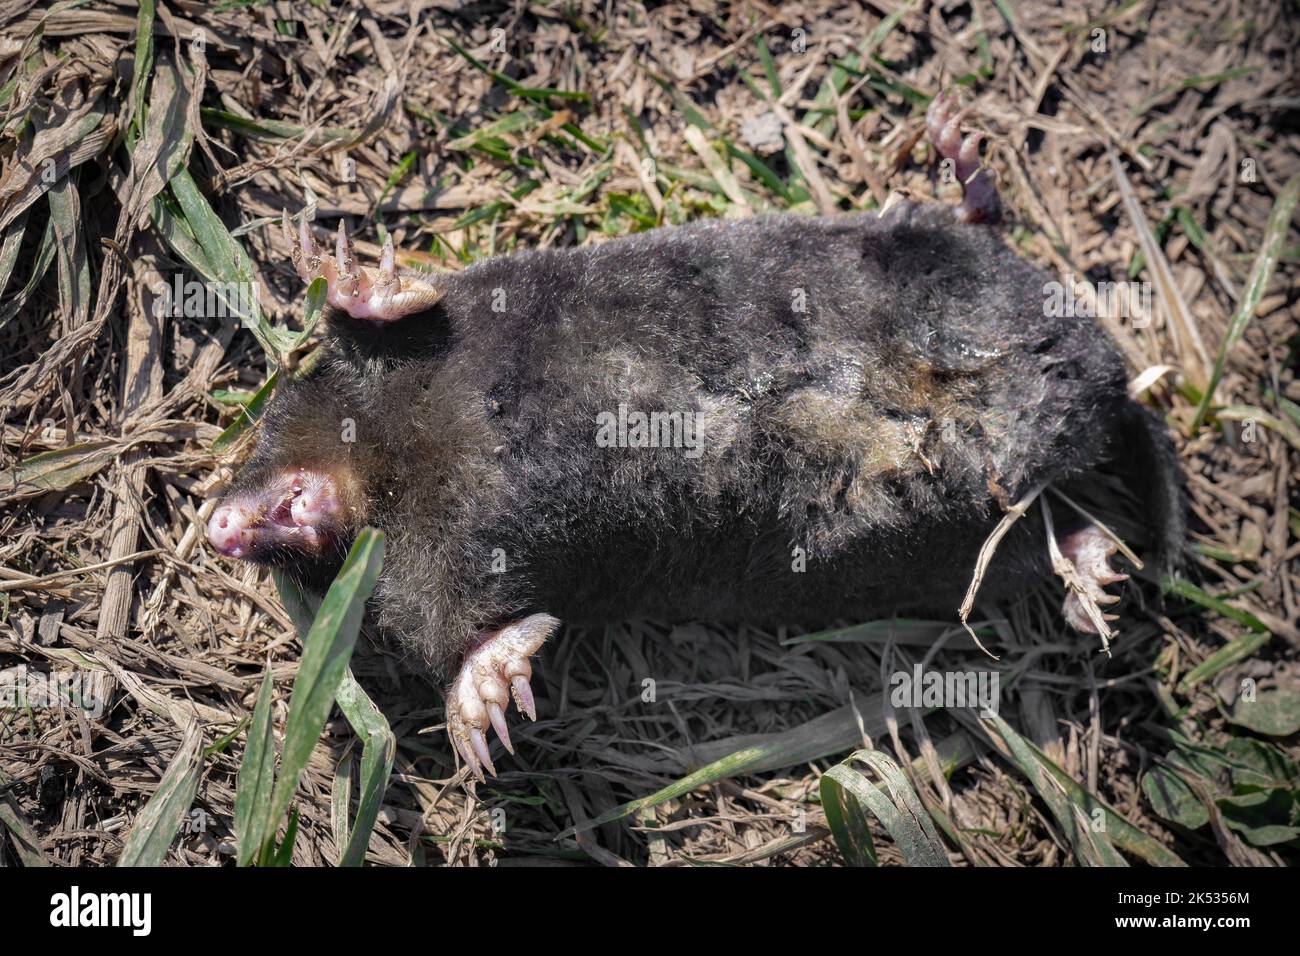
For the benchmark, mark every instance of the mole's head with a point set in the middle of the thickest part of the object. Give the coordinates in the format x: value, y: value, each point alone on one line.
x: 300, y: 499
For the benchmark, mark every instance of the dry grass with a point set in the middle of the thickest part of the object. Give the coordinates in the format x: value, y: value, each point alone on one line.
x: 101, y: 568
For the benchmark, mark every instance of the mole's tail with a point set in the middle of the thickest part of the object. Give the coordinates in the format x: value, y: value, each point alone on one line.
x: 1151, y: 468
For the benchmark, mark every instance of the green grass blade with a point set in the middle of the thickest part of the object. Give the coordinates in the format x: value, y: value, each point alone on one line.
x: 683, y: 103
x: 1250, y: 413
x: 312, y: 312
x: 228, y: 264
x: 1226, y: 656
x: 1092, y: 847
x: 905, y: 631
x: 276, y: 130
x: 172, y: 227
x: 9, y: 250
x: 301, y: 609
x: 1122, y: 833
x: 769, y: 67
x: 515, y: 122
x: 57, y: 469
x: 515, y: 87
x: 282, y: 855
x: 70, y: 250
x: 143, y: 65
x: 341, y: 800
x: 41, y: 265
x: 224, y: 255
x: 1186, y: 589
x: 847, y: 818
x: 738, y: 762
x: 835, y: 732
x: 1274, y: 236
x: 762, y: 172
x: 247, y: 415
x: 256, y: 777
x: 900, y: 812
x: 24, y: 839
x: 327, y: 648
x: 379, y: 747
x: 155, y: 827
x: 837, y: 78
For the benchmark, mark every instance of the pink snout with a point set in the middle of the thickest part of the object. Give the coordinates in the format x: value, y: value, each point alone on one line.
x: 298, y: 509
x: 227, y: 529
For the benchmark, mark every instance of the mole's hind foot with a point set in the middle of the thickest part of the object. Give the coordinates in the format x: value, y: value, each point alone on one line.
x: 380, y: 295
x: 494, y: 669
x: 943, y: 120
x: 1089, y: 549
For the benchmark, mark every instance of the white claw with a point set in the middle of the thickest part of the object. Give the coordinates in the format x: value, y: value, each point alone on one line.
x: 295, y: 247
x: 388, y: 258
x: 498, y: 718
x: 467, y: 754
x: 951, y: 136
x: 968, y: 155
x: 524, y: 696
x: 481, y: 749
x: 305, y: 240
x: 341, y: 249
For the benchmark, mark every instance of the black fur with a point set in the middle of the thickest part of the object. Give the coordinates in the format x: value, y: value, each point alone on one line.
x: 881, y: 430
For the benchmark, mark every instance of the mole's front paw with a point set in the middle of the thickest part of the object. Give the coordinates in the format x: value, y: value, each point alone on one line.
x: 494, y: 669
x: 380, y: 295
x: 980, y: 192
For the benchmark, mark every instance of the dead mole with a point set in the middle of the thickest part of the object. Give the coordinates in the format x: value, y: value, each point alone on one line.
x: 778, y: 420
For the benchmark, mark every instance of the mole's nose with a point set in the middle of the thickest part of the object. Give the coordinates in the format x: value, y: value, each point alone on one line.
x: 227, y: 528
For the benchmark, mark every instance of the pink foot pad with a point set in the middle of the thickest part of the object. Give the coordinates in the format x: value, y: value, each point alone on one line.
x: 380, y: 295
x: 980, y: 202
x: 494, y: 669
x: 1089, y: 550
x: 297, y: 509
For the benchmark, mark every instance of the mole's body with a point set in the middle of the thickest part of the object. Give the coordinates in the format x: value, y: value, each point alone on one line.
x: 782, y: 420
